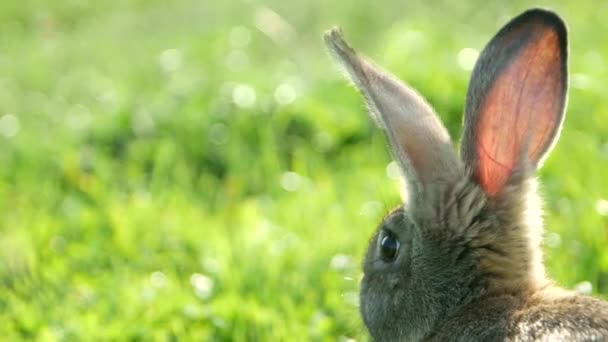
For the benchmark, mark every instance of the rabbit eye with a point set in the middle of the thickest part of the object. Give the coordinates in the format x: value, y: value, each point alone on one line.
x: 389, y: 246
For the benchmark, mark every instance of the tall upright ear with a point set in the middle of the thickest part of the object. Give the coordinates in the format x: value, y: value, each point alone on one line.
x: 418, y: 140
x: 516, y: 98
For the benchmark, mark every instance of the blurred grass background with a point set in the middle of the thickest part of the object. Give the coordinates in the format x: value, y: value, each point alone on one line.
x: 186, y: 169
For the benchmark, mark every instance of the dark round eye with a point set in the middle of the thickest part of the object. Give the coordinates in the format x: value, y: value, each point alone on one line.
x: 389, y: 246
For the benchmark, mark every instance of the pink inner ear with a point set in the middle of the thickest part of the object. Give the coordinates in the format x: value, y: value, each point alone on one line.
x: 520, y: 111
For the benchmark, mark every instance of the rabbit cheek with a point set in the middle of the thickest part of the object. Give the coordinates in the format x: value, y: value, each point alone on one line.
x: 375, y: 304
x: 386, y: 309
x: 381, y: 294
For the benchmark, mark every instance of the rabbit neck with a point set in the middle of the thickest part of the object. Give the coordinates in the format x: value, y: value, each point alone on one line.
x: 499, y: 237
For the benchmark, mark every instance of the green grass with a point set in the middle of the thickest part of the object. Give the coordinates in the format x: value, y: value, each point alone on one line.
x: 199, y: 170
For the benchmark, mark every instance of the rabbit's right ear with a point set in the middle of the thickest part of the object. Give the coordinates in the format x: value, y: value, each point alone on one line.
x: 418, y: 139
x: 516, y: 98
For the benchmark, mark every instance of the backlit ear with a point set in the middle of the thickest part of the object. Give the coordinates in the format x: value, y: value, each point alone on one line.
x: 419, y: 141
x: 516, y: 98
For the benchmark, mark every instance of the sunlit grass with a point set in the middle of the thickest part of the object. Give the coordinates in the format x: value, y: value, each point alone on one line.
x: 199, y: 170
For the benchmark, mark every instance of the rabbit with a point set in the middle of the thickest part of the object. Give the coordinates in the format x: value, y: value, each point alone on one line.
x: 460, y: 259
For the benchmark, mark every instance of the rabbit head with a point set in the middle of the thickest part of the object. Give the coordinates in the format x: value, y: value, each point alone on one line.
x: 471, y: 226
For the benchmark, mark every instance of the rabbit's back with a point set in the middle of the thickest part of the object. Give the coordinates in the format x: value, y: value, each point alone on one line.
x: 509, y: 318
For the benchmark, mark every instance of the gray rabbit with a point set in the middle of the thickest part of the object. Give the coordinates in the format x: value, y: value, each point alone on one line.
x: 460, y: 260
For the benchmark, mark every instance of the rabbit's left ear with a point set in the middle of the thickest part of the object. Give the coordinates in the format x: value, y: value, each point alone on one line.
x: 418, y: 139
x: 516, y: 98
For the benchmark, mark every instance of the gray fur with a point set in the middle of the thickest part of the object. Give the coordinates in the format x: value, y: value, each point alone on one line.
x: 419, y: 141
x: 469, y: 267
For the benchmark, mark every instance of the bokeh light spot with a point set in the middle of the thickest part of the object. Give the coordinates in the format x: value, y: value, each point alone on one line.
x: 240, y: 36
x: 601, y: 206
x: 553, y: 239
x: 171, y: 60
x: 584, y: 288
x: 580, y: 81
x: 393, y: 171
x: 237, y: 60
x: 202, y: 285
x: 158, y: 279
x: 218, y: 133
x: 341, y: 262
x: 291, y: 181
x: 285, y: 94
x: 9, y: 125
x: 244, y: 96
x: 371, y: 209
x: 467, y: 58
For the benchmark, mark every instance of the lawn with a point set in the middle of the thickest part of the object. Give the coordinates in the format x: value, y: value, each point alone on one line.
x: 198, y: 170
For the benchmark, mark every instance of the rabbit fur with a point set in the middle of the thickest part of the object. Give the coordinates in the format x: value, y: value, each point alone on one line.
x: 460, y: 259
